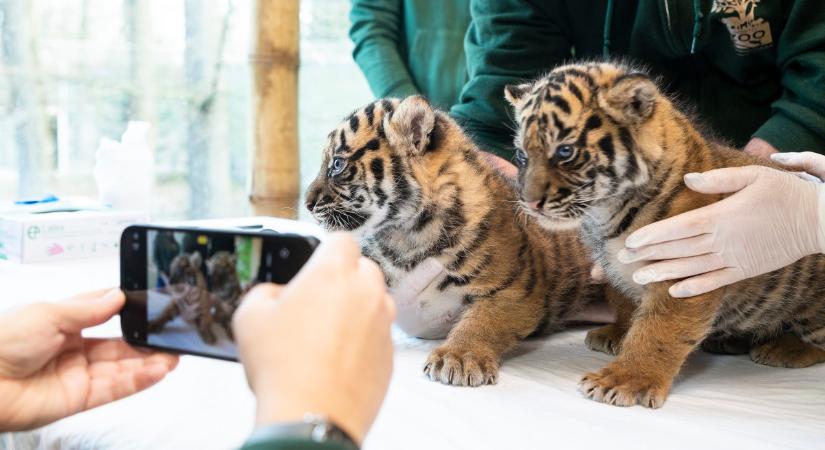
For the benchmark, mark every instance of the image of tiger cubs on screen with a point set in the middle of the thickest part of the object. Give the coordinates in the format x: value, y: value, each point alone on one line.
x: 603, y: 150
x: 188, y: 290
x: 406, y: 180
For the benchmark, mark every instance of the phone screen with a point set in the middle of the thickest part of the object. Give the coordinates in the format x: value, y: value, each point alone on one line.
x: 183, y: 286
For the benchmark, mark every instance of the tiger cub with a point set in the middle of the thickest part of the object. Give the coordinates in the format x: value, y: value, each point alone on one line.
x: 190, y: 297
x: 225, y: 287
x: 602, y: 148
x: 410, y: 185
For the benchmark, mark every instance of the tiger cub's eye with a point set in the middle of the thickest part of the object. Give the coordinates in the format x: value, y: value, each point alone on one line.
x: 563, y: 152
x: 338, y: 166
x: 521, y: 157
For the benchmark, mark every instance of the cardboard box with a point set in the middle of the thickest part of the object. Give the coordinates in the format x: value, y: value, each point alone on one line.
x: 58, y: 236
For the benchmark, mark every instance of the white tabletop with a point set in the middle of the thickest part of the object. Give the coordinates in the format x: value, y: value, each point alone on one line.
x: 718, y: 402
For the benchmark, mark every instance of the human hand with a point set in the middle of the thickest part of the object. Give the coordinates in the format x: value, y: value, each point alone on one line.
x: 320, y: 344
x: 501, y: 165
x: 49, y: 371
x: 760, y: 148
x: 772, y: 219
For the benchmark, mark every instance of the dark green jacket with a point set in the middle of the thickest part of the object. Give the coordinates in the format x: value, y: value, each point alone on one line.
x: 752, y: 70
x: 407, y: 47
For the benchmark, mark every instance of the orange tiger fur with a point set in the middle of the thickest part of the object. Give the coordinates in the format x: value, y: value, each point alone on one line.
x: 406, y: 180
x: 601, y: 147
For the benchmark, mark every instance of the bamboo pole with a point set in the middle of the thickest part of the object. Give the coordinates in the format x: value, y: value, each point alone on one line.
x: 275, y: 163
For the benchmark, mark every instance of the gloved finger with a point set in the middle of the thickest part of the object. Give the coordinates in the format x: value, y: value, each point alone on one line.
x: 809, y: 162
x: 674, y: 269
x: 686, y: 225
x: 681, y: 248
x: 706, y: 282
x: 723, y: 181
x: 807, y: 177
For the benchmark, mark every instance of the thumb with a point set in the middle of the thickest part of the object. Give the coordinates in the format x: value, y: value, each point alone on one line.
x: 722, y: 181
x: 88, y: 310
x: 338, y: 249
x: 808, y: 162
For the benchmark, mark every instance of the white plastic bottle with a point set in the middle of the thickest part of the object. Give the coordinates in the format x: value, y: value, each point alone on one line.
x: 125, y: 170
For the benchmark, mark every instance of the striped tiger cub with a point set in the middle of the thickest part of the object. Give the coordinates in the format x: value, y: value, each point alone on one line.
x: 602, y: 148
x: 410, y: 185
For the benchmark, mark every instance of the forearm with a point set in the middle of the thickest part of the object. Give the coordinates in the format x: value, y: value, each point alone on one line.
x: 385, y: 71
x: 376, y: 31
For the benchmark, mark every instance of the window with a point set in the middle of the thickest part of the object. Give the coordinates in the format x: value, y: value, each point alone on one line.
x: 75, y: 71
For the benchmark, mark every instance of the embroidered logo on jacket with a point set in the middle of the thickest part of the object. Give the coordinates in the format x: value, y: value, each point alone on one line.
x: 747, y: 32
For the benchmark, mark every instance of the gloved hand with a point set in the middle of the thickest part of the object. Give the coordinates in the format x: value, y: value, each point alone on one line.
x: 772, y: 219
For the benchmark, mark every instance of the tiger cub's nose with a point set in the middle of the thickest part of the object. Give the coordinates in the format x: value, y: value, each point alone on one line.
x: 312, y: 199
x: 533, y: 205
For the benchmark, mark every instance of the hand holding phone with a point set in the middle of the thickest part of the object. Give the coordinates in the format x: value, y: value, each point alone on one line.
x: 322, y: 343
x: 183, y: 285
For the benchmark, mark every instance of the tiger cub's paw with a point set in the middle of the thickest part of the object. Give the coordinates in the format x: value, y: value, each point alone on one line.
x: 787, y: 351
x: 616, y: 385
x: 462, y: 366
x: 606, y: 339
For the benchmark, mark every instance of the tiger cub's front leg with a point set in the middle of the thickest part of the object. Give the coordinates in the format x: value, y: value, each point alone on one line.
x: 608, y: 339
x: 169, y: 312
x: 472, y: 352
x: 663, y: 333
x: 205, y: 319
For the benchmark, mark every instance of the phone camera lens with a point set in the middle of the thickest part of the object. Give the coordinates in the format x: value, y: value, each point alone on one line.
x: 283, y: 253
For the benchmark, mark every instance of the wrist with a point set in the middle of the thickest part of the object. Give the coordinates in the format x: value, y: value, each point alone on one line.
x: 277, y: 409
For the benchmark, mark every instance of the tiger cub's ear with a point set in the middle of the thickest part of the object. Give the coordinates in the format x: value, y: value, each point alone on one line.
x: 630, y: 100
x: 514, y: 93
x: 410, y: 126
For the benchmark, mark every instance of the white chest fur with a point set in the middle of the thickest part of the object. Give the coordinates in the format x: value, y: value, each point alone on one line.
x: 621, y: 274
x: 423, y: 310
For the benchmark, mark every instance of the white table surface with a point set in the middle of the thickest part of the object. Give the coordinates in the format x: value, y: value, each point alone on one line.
x: 719, y: 401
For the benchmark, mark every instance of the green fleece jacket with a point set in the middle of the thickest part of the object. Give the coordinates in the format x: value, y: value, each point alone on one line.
x: 407, y: 47
x: 750, y: 68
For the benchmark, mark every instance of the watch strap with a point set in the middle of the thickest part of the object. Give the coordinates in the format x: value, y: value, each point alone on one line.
x: 314, y: 428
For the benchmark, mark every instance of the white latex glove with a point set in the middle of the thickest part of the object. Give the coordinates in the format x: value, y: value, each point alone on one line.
x: 772, y: 219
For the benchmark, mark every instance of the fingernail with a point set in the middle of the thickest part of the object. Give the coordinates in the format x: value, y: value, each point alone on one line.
x: 781, y: 157
x: 627, y: 255
x: 643, y: 276
x: 679, y: 291
x: 635, y: 240
x: 693, y: 178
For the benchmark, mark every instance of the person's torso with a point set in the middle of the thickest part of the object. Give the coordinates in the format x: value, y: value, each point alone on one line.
x: 731, y: 78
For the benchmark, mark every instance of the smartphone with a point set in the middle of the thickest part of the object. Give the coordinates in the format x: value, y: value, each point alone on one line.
x: 183, y: 285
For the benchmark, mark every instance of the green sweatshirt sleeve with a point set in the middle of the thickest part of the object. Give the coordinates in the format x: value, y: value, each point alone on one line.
x: 509, y: 41
x: 798, y: 116
x: 376, y: 30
